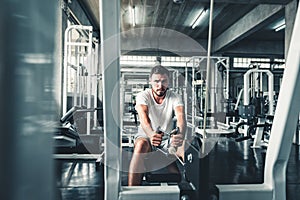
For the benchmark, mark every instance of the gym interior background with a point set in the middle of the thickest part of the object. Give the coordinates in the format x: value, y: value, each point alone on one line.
x: 70, y: 71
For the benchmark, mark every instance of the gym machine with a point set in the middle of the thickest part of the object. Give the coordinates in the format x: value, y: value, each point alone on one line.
x: 112, y: 123
x: 132, y: 82
x: 281, y: 137
x: 81, y: 108
x: 68, y: 138
x: 192, y: 181
x: 80, y: 72
x: 66, y: 135
x: 190, y: 184
x: 257, y: 110
x: 216, y: 87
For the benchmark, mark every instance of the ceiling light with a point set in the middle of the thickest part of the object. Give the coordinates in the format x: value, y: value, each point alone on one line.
x: 196, y: 21
x: 282, y: 26
x: 279, y: 25
x: 178, y: 1
x: 132, y: 9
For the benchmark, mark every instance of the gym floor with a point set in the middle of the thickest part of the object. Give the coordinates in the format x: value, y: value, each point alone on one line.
x: 229, y: 162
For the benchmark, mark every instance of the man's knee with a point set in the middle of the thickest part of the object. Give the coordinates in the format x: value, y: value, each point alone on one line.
x: 142, y: 145
x: 180, y: 152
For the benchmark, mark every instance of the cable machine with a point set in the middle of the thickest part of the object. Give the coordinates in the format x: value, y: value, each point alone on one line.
x: 282, y: 132
x: 80, y: 70
x: 218, y: 92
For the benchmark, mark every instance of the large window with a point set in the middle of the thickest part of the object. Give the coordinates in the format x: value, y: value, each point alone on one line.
x: 150, y: 61
x: 240, y: 62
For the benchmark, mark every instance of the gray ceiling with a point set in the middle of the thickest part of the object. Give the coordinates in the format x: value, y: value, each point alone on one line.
x: 239, y: 26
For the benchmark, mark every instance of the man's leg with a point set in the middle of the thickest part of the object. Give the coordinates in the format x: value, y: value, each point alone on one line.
x: 137, y: 166
x: 180, y: 151
x: 180, y: 154
x: 172, y: 168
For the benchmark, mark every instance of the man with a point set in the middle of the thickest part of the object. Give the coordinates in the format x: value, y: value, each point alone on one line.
x: 155, y: 108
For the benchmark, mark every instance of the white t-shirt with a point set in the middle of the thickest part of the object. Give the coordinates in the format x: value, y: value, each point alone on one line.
x: 159, y: 114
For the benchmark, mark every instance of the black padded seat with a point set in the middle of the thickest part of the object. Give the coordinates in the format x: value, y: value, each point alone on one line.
x: 156, y: 164
x: 162, y: 176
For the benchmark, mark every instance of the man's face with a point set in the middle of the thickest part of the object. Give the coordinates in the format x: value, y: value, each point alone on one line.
x: 159, y: 83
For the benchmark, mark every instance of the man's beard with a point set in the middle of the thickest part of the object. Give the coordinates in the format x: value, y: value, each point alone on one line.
x: 160, y: 93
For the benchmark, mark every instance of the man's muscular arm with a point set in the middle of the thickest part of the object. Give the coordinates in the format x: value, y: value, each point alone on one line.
x: 155, y: 138
x: 181, y: 123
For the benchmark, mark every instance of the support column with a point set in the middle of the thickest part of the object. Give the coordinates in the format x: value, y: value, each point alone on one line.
x: 27, y: 106
x: 110, y: 53
x: 290, y: 15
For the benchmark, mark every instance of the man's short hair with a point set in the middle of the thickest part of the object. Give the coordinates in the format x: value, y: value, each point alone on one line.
x: 158, y: 69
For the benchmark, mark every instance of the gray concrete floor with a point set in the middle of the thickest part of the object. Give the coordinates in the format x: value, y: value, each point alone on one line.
x: 229, y: 162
